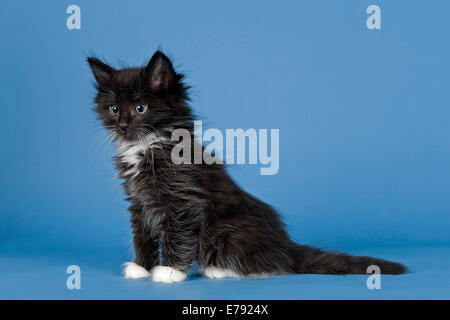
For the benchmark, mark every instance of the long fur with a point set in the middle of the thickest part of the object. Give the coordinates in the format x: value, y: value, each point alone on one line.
x: 181, y: 213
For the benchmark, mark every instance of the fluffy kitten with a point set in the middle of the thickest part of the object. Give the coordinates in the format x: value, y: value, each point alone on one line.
x: 186, y: 212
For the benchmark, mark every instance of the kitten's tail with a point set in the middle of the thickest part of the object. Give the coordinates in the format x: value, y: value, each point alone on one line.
x: 312, y: 260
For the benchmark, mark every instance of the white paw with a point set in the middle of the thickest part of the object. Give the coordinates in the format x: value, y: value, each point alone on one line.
x: 134, y: 271
x: 218, y: 273
x: 167, y: 274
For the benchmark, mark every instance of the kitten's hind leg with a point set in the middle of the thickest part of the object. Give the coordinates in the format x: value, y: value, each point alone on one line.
x: 135, y: 271
x: 219, y: 273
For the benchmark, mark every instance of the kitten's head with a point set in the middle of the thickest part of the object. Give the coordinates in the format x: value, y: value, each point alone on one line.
x: 135, y: 102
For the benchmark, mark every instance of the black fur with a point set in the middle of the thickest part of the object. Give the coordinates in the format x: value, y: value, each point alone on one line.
x: 193, y: 212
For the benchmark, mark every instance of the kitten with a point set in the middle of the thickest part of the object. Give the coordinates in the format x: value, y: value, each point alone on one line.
x: 193, y: 212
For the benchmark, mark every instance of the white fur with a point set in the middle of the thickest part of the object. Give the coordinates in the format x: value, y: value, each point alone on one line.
x: 135, y: 271
x: 129, y: 151
x: 218, y: 273
x: 130, y: 154
x: 167, y: 274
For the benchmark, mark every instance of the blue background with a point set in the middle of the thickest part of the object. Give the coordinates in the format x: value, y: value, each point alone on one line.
x: 364, y: 136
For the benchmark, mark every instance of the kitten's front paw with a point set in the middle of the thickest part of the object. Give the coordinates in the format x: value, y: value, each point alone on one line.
x: 167, y: 274
x: 134, y: 271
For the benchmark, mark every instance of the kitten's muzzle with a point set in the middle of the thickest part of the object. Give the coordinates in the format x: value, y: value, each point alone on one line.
x: 124, y: 127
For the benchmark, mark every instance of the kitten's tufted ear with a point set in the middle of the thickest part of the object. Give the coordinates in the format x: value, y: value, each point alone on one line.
x: 102, y: 72
x: 159, y: 73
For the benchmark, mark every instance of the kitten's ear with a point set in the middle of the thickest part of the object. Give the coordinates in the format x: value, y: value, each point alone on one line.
x: 159, y: 73
x: 102, y: 72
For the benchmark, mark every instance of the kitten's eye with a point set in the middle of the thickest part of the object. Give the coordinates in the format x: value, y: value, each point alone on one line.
x: 140, y: 108
x: 114, y: 109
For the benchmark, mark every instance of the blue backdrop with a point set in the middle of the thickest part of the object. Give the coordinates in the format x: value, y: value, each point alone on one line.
x: 363, y: 118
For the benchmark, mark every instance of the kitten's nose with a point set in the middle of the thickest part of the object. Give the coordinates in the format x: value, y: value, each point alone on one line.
x: 124, y: 127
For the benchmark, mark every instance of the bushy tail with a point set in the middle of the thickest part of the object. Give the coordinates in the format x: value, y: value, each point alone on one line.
x: 312, y: 260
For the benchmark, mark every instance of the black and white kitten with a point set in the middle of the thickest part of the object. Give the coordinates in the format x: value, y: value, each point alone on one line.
x: 182, y: 213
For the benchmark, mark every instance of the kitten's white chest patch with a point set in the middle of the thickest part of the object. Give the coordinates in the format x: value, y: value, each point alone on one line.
x: 132, y: 153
